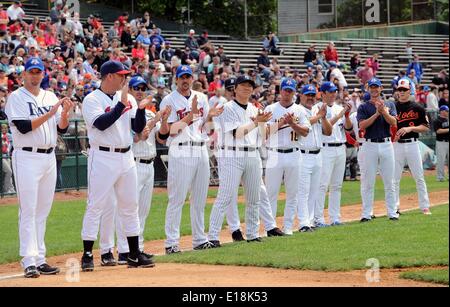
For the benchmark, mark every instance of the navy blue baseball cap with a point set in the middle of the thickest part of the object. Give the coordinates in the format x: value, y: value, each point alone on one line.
x: 230, y: 83
x: 245, y: 79
x: 309, y: 89
x: 374, y: 82
x: 184, y: 70
x: 328, y: 87
x: 443, y: 108
x: 289, y: 84
x: 34, y: 63
x: 113, y: 67
x: 136, y: 81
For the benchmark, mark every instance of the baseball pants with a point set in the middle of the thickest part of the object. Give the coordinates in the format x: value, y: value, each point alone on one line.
x: 377, y: 155
x: 188, y: 172
x: 231, y: 170
x: 111, y: 173
x: 442, y: 159
x: 35, y: 177
x: 409, y: 153
x: 332, y: 176
x: 309, y: 180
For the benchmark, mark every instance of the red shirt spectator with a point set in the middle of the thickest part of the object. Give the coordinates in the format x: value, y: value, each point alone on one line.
x: 331, y: 53
x: 3, y: 19
x: 15, y: 28
x: 445, y: 47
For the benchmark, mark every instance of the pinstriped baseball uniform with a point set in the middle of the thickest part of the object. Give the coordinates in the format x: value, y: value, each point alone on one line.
x: 284, y: 166
x: 34, y: 173
x: 188, y: 168
x: 142, y: 151
x: 235, y: 165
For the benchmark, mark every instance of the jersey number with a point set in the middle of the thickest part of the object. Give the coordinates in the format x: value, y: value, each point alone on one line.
x: 294, y: 136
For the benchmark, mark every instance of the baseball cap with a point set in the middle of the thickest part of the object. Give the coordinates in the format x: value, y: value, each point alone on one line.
x: 404, y: 83
x: 374, y: 82
x: 245, y: 79
x: 184, y: 70
x: 230, y: 83
x: 333, y: 64
x: 113, y: 67
x: 328, y: 87
x: 426, y: 88
x: 56, y: 49
x: 192, y: 31
x: 309, y: 89
x: 443, y: 108
x: 289, y: 84
x: 137, y: 80
x: 34, y: 63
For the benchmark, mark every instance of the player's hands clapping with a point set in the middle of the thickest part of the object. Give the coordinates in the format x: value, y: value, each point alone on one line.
x: 146, y: 102
x: 289, y: 119
x: 124, y: 96
x: 322, y: 111
x: 215, y: 111
x: 263, y: 117
x: 66, y: 103
x: 166, y: 113
x: 194, y: 108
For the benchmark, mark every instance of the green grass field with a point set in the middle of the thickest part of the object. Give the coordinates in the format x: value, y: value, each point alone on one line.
x: 434, y: 276
x: 415, y: 240
x: 64, y: 224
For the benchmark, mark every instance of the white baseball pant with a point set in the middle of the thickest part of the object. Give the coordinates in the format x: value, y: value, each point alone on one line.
x: 409, y: 153
x: 442, y: 159
x: 35, y: 178
x: 377, y: 155
x: 188, y: 172
x: 332, y: 177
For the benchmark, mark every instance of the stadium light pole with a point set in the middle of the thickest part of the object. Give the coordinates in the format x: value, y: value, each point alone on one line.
x: 189, y: 12
x: 246, y: 21
x: 389, y: 12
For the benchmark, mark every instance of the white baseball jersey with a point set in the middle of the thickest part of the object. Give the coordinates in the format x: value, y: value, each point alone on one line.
x: 338, y: 134
x: 313, y: 140
x: 22, y: 105
x: 181, y: 106
x: 358, y: 133
x: 119, y: 134
x: 147, y: 149
x: 286, y: 137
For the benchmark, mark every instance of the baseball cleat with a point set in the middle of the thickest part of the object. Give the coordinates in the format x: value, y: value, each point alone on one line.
x: 237, y: 236
x: 337, y: 223
x: 141, y: 261
x: 321, y: 225
x: 373, y: 217
x: 398, y: 212
x: 45, y: 269
x: 276, y: 232
x: 306, y: 229
x: 255, y: 240
x: 31, y: 272
x: 122, y: 259
x: 149, y: 256
x: 364, y: 220
x: 108, y: 260
x: 426, y: 211
x: 206, y: 245
x: 393, y: 218
x: 288, y: 232
x: 216, y: 243
x: 172, y: 250
x: 87, y: 262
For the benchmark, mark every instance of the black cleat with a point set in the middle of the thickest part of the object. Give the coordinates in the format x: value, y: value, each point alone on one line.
x: 306, y: 229
x: 45, y: 269
x: 173, y: 250
x: 141, y: 261
x: 206, y: 245
x: 237, y: 236
x: 108, y: 260
x: 255, y: 240
x: 87, y: 262
x: 364, y: 220
x: 398, y: 212
x: 393, y: 218
x: 373, y: 217
x: 122, y: 258
x: 31, y: 272
x: 276, y: 232
x: 216, y: 243
x: 149, y: 256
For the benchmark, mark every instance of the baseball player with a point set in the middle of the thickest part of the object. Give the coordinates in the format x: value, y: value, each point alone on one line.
x: 144, y: 151
x: 441, y: 127
x: 311, y: 157
x: 191, y: 122
x: 333, y: 157
x: 411, y: 120
x: 287, y: 125
x: 376, y: 117
x: 35, y: 117
x: 240, y: 159
x: 110, y: 115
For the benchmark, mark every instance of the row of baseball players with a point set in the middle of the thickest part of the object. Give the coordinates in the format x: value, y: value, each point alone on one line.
x: 305, y: 143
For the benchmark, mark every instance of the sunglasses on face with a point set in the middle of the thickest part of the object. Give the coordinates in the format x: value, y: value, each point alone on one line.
x: 310, y: 95
x: 140, y: 88
x: 403, y: 90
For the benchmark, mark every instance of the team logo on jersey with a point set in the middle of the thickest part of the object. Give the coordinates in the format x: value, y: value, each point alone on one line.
x: 38, y: 111
x: 128, y: 108
x: 407, y: 116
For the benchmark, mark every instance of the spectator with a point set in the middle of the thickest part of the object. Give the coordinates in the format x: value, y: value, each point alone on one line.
x: 218, y: 97
x: 417, y: 67
x: 355, y: 62
x: 331, y: 56
x: 310, y: 57
x: 146, y: 21
x: 159, y: 96
x: 413, y: 78
x: 3, y: 19
x: 138, y: 51
x: 143, y: 37
x: 374, y: 64
x: 123, y: 21
x: 221, y: 54
x: 6, y: 137
x: 364, y: 75
x: 432, y: 103
x: 187, y: 58
x: 444, y: 46
x: 409, y: 52
x: 215, y: 63
x: 441, y: 127
x: 114, y: 31
x: 263, y: 64
x: 441, y: 79
x: 166, y: 55
x: 126, y: 40
x: 444, y: 97
x: 55, y: 13
x: 270, y: 44
x: 203, y: 81
x: 337, y: 75
x: 321, y: 60
x: 153, y: 54
x: 192, y: 44
x: 15, y: 11
x: 157, y: 40
x: 354, y: 101
x: 203, y: 40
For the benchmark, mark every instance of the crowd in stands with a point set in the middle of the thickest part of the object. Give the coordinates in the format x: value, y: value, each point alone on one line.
x: 73, y: 52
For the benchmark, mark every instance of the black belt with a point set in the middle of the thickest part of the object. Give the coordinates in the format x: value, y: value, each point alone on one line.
x: 310, y: 152
x: 407, y: 141
x: 378, y: 140
x: 291, y: 150
x: 39, y: 150
x: 200, y: 144
x: 333, y: 144
x: 240, y: 148
x: 121, y: 150
x: 144, y: 161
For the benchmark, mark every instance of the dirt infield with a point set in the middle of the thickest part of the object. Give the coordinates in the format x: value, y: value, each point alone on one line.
x: 190, y: 275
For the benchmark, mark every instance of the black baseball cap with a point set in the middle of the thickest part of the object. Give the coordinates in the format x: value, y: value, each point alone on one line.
x: 230, y: 83
x: 113, y: 67
x: 245, y: 79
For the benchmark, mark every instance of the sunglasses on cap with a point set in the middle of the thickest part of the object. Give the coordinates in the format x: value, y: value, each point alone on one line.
x: 140, y: 88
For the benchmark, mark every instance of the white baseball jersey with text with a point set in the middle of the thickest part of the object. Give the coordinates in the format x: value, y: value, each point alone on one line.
x: 313, y: 141
x: 338, y: 134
